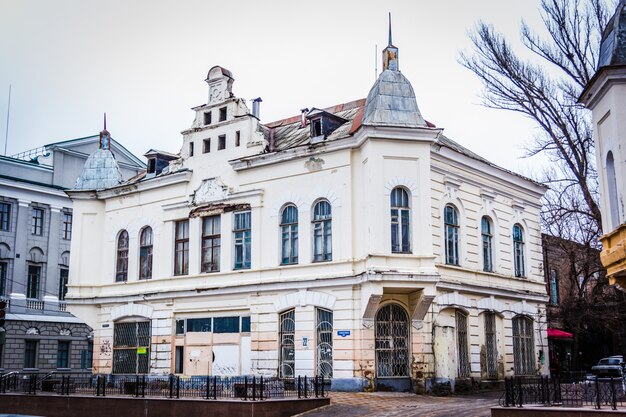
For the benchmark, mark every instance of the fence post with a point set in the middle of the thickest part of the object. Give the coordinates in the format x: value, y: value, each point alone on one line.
x: 177, y: 387
x: 305, y: 388
x: 171, y: 385
x: 208, y: 382
x: 519, y: 391
x: 597, y: 394
x: 322, y: 386
x: 315, y: 386
x: 299, y: 386
x: 261, y: 394
x: 613, y: 396
x: 104, y: 385
x: 97, y: 385
x: 253, y: 387
x: 245, y: 388
x: 215, y: 387
x: 143, y: 387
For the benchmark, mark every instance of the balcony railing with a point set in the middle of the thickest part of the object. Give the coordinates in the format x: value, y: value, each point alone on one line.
x: 34, y: 304
x: 62, y: 306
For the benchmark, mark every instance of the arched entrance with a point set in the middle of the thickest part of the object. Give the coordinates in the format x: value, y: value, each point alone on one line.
x: 392, y: 348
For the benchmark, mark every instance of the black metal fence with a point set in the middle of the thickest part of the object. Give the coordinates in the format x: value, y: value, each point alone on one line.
x: 248, y: 388
x: 588, y: 392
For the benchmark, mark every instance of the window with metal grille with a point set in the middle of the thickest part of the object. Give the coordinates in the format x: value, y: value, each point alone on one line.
x: 211, y: 242
x: 67, y: 225
x: 30, y: 354
x: 322, y: 232
x: 518, y: 251
x: 5, y: 217
x: 289, y: 234
x: 324, y: 346
x: 37, y: 221
x: 392, y: 341
x: 554, y: 287
x: 63, y: 354
x: 487, y: 238
x: 400, y: 221
x: 131, y: 348
x: 451, y: 226
x: 491, y: 346
x: 3, y: 278
x: 33, y: 282
x: 523, y: 346
x: 181, y: 248
x: 145, y: 253
x: 63, y: 278
x: 242, y: 235
x: 121, y: 269
x: 287, y: 351
x: 462, y: 345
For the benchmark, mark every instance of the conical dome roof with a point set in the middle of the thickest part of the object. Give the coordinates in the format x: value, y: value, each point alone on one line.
x: 100, y: 170
x: 613, y: 45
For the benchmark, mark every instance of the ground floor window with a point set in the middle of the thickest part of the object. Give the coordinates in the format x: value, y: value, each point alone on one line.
x: 30, y: 354
x: 131, y: 348
x: 287, y: 344
x: 523, y: 346
x: 462, y: 345
x: 324, y: 348
x: 392, y: 341
x: 491, y: 346
x: 86, y: 356
x: 63, y: 354
x: 179, y: 360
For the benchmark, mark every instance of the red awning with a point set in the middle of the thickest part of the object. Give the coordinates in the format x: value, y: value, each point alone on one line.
x: 559, y: 334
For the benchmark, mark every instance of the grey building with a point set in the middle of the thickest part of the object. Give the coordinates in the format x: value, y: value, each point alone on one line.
x: 35, y: 234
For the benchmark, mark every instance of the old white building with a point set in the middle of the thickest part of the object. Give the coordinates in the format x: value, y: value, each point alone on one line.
x: 355, y: 242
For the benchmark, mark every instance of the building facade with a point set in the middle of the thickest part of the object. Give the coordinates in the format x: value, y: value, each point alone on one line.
x: 36, y: 228
x: 355, y: 242
x: 605, y: 96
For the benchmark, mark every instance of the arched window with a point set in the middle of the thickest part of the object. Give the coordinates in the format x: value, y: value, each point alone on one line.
x: 518, y: 251
x: 451, y: 226
x: 287, y: 359
x: 400, y: 221
x: 322, y: 232
x: 289, y: 235
x: 486, y: 227
x: 145, y: 253
x: 523, y: 346
x: 121, y: 269
x: 612, y: 189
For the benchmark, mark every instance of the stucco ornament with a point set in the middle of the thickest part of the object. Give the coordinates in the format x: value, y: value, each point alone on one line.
x: 211, y: 189
x: 65, y: 332
x: 32, y: 330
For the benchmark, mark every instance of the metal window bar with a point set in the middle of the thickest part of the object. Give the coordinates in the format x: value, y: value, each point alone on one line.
x: 491, y: 346
x: 324, y: 347
x: 462, y: 345
x: 287, y: 344
x: 392, y: 341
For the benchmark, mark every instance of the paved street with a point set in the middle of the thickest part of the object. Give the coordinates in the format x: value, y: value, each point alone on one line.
x: 386, y: 404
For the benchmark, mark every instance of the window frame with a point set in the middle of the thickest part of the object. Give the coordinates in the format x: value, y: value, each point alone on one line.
x: 554, y: 287
x: 242, y: 238
x: 64, y: 274
x: 181, y: 247
x: 211, y: 244
x: 33, y: 286
x: 31, y: 353
x: 4, y: 273
x: 67, y: 225
x: 238, y: 138
x: 206, y: 145
x: 400, y: 211
x: 208, y: 116
x: 487, y: 243
x: 519, y: 247
x: 63, y: 354
x: 289, y: 234
x: 223, y: 113
x: 190, y: 149
x: 221, y: 142
x: 121, y: 256
x: 146, y: 247
x: 451, y: 235
x: 38, y: 215
x: 5, y: 216
x: 287, y: 343
x: 322, y: 232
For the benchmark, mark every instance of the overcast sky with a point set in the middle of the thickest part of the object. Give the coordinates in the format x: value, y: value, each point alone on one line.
x: 144, y: 63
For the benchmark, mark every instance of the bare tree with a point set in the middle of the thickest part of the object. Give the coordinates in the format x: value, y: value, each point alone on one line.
x: 546, y: 89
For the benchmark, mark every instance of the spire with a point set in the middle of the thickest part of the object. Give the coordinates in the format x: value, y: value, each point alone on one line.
x: 105, y: 136
x: 390, y: 53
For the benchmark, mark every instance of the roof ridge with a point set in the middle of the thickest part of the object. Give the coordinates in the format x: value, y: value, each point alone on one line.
x: 332, y: 109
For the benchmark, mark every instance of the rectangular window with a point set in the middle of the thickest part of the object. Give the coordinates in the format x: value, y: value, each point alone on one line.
x: 199, y: 325
x: 181, y: 248
x: 211, y: 241
x: 190, y: 148
x: 5, y: 217
x: 180, y: 326
x: 237, y: 138
x: 86, y: 356
x: 206, y: 145
x: 34, y: 278
x: 131, y: 348
x: 37, y: 221
x: 151, y: 165
x: 554, y: 287
x: 226, y: 324
x: 245, y: 325
x: 3, y: 278
x: 30, y: 354
x: 242, y: 239
x: 180, y: 360
x: 63, y: 278
x: 462, y: 345
x: 223, y: 114
x: 63, y: 354
x: 207, y: 118
x: 67, y: 225
x: 221, y: 142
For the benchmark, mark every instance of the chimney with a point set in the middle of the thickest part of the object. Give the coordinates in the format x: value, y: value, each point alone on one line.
x: 256, y: 104
x: 303, y: 113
